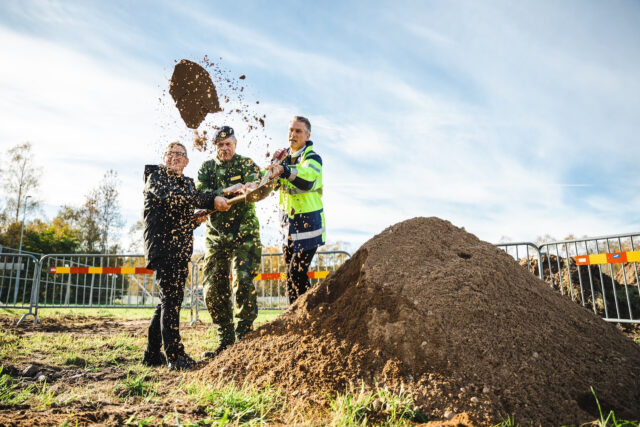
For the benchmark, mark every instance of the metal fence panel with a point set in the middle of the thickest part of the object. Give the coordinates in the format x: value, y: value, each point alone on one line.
x: 527, y: 254
x: 16, y: 279
x: 18, y: 275
x: 600, y: 273
x: 271, y: 286
x: 96, y: 281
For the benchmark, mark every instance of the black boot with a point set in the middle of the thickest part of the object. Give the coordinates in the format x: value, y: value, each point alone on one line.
x: 182, y: 363
x: 154, y: 359
x: 243, y: 328
x: 227, y: 338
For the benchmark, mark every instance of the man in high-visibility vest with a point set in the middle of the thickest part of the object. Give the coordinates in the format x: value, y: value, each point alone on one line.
x: 301, y: 200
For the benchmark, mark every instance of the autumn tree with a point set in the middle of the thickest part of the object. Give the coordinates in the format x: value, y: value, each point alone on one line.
x: 52, y: 237
x: 20, y: 180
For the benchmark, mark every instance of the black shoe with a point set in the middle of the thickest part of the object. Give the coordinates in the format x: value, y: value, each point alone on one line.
x: 182, y: 363
x: 154, y: 359
x: 216, y: 352
x: 227, y: 337
x: 243, y: 329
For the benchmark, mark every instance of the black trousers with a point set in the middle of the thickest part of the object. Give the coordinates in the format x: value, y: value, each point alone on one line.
x: 171, y: 275
x: 297, y: 268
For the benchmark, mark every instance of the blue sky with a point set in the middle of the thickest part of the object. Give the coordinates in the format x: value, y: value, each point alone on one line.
x: 511, y: 119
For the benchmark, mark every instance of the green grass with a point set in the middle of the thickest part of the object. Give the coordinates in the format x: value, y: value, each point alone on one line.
x: 228, y: 403
x: 90, y: 352
x: 39, y: 395
x: 9, y: 345
x: 135, y: 385
x: 264, y: 316
x: 610, y: 420
x: 10, y: 394
x: 381, y: 406
x: 508, y: 422
x: 133, y: 421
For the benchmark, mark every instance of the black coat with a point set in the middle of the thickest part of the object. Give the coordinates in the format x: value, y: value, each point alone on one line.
x: 169, y: 203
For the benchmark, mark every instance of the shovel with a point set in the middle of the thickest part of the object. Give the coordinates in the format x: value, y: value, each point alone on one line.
x: 264, y: 188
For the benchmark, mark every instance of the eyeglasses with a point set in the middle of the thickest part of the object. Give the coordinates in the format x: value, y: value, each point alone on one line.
x: 175, y: 154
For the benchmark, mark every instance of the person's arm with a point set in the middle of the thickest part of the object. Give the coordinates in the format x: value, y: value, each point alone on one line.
x: 251, y: 171
x: 207, y: 181
x: 303, y: 175
x: 252, y: 175
x: 209, y: 204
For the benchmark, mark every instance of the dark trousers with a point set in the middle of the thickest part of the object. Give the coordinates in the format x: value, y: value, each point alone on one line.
x: 297, y: 268
x: 165, y: 323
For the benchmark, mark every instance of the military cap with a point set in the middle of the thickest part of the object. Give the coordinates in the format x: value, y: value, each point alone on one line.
x: 224, y: 133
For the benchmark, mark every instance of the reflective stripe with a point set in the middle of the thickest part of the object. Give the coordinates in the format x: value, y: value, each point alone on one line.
x: 294, y: 173
x: 314, y: 168
x: 308, y: 234
x: 294, y: 190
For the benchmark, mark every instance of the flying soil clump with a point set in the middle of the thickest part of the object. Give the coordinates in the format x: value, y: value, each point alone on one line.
x: 193, y: 92
x: 430, y: 309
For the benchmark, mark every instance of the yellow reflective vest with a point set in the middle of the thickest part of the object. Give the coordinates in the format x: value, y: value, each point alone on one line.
x: 301, y: 198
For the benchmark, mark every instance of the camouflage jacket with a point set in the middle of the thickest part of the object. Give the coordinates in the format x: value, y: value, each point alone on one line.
x: 240, y: 221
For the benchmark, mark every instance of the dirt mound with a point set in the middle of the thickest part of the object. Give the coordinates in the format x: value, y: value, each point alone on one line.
x: 451, y: 319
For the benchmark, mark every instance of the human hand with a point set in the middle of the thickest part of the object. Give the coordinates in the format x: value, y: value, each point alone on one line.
x: 201, y: 216
x: 278, y: 155
x: 276, y: 170
x: 234, y: 189
x: 250, y: 186
x: 220, y: 204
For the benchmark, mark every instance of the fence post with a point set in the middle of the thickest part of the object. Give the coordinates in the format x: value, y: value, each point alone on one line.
x: 35, y: 290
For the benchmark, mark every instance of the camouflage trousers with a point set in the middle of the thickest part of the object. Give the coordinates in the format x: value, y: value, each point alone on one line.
x: 242, y: 261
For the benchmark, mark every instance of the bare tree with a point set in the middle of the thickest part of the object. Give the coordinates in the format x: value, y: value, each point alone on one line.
x: 108, y: 208
x: 136, y: 238
x: 20, y: 178
x: 98, y: 217
x: 85, y: 220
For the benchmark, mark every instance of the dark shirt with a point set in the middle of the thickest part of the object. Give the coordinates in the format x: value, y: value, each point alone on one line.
x: 169, y: 203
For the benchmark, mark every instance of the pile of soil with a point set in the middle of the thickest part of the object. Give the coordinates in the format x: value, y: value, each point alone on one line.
x: 430, y: 309
x: 567, y: 282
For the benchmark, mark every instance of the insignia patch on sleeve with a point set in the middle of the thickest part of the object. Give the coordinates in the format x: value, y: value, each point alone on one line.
x: 235, y: 178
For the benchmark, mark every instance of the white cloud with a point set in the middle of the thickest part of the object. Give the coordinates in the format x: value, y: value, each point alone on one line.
x: 81, y: 117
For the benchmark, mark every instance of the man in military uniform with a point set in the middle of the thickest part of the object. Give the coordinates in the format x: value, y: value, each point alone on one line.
x: 232, y: 238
